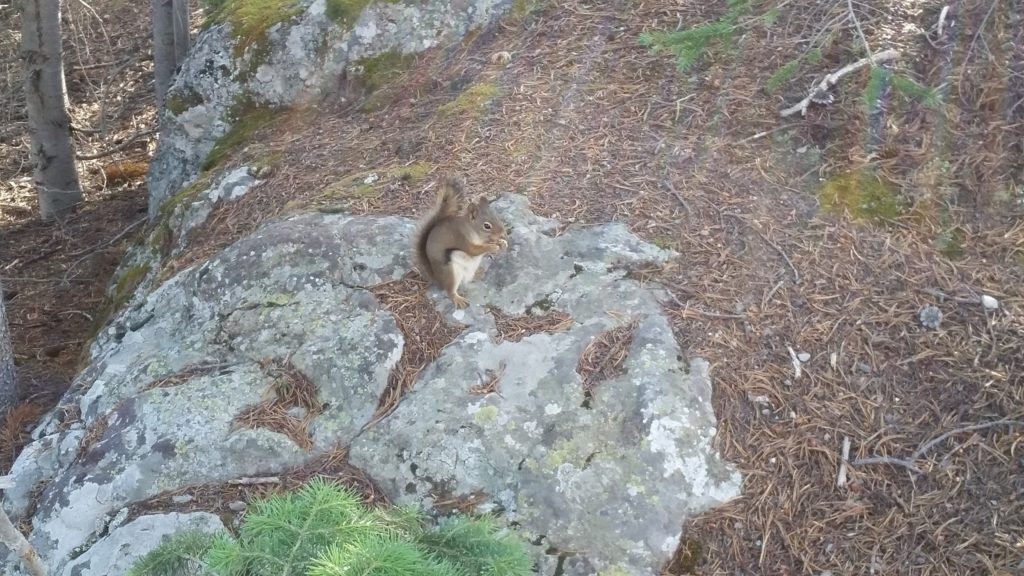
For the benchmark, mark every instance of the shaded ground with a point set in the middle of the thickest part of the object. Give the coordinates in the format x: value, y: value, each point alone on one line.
x: 593, y: 127
x: 54, y: 275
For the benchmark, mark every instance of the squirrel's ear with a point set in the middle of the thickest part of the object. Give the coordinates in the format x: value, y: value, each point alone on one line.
x: 474, y: 210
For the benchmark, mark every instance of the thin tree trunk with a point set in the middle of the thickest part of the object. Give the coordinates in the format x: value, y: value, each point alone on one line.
x: 56, y: 178
x: 181, y: 32
x: 14, y: 540
x: 8, y: 383
x: 163, y: 48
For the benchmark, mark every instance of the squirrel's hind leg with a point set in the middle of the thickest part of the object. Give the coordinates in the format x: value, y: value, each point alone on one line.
x: 449, y: 277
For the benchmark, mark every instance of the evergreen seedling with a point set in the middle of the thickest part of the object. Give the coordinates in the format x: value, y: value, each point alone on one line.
x: 326, y: 530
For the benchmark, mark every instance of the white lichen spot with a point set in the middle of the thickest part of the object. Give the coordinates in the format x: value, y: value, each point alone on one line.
x: 664, y: 432
x: 669, y: 544
x: 531, y: 429
x: 552, y: 409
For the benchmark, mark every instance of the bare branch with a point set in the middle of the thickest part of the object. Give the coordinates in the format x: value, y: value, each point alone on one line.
x: 833, y: 78
x: 16, y: 542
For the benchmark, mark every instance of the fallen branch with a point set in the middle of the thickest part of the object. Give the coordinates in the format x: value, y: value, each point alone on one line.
x: 98, y: 247
x: 16, y: 542
x: 841, y: 478
x: 832, y: 79
x: 252, y: 481
x: 117, y: 148
x: 909, y: 463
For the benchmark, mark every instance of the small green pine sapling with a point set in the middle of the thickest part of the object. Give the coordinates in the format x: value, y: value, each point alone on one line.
x: 325, y: 530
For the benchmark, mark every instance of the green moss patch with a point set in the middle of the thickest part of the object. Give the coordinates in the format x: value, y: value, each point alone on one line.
x: 248, y: 119
x: 473, y: 99
x: 250, y: 19
x: 187, y: 194
x: 179, y: 101
x: 522, y: 8
x: 123, y: 291
x: 346, y: 12
x: 367, y: 185
x: 862, y: 194
x: 376, y: 72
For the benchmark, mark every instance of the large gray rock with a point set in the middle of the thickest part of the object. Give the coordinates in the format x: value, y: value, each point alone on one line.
x: 293, y: 289
x: 118, y: 551
x: 614, y: 475
x: 297, y: 60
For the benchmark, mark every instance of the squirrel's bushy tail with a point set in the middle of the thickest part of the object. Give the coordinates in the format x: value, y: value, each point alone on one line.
x: 449, y: 203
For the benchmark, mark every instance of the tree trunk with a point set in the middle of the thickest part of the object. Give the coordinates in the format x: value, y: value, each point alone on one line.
x: 8, y: 385
x: 163, y: 48
x: 49, y: 125
x: 182, y: 40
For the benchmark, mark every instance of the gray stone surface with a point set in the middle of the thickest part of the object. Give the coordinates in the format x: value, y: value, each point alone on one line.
x: 301, y: 58
x: 115, y: 553
x: 614, y: 476
x: 294, y: 288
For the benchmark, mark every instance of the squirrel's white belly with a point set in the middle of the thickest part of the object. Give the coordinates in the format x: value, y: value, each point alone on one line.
x: 464, y: 266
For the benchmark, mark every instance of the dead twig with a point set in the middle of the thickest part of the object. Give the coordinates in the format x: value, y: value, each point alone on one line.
x: 247, y: 481
x: 908, y: 463
x: 832, y: 79
x: 841, y: 478
x: 17, y: 543
x: 117, y: 148
x: 90, y: 251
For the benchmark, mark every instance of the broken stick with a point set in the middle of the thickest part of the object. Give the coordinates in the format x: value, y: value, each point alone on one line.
x: 833, y: 79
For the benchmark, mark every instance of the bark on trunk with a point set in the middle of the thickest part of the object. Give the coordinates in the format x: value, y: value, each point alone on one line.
x: 182, y: 40
x: 8, y: 383
x: 56, y: 178
x: 163, y: 48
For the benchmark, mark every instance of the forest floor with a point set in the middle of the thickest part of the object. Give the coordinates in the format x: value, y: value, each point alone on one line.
x: 809, y: 245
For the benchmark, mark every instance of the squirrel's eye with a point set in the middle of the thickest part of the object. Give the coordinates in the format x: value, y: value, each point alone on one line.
x: 487, y: 226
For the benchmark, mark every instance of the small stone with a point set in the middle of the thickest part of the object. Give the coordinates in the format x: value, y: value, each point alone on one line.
x: 989, y: 302
x: 803, y: 356
x: 758, y: 399
x: 863, y: 368
x: 930, y: 317
x: 237, y: 506
x: 182, y: 498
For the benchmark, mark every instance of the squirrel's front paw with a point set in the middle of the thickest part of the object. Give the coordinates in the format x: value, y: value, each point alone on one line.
x: 459, y: 301
x: 503, y: 243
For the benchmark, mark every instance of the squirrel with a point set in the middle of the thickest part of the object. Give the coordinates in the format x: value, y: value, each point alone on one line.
x: 454, y: 237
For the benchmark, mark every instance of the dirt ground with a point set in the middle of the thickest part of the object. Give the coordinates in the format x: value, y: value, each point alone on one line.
x: 781, y: 257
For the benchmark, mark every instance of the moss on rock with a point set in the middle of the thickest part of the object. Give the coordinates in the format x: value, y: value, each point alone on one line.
x: 346, y: 12
x: 182, y: 100
x: 248, y: 118
x: 122, y: 293
x: 251, y: 19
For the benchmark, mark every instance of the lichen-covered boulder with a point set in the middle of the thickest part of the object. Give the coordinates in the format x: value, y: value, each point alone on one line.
x: 297, y: 50
x: 603, y: 471
x: 563, y: 403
